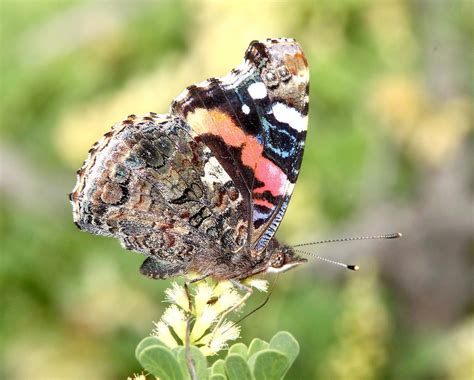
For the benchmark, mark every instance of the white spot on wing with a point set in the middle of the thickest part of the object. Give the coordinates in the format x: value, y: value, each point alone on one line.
x: 239, y: 74
x: 257, y: 90
x: 213, y: 172
x: 290, y: 116
x: 182, y: 96
x: 245, y: 109
x: 203, y: 84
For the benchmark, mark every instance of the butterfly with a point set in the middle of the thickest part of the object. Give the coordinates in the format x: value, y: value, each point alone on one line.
x: 204, y: 188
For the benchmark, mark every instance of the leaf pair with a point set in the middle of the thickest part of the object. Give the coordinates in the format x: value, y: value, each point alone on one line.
x: 261, y: 360
x: 166, y: 363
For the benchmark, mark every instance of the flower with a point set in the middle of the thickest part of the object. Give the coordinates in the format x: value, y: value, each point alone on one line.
x: 177, y: 295
x: 210, y: 303
x: 227, y: 300
x: 162, y: 332
x: 204, y: 322
x: 216, y: 341
x: 204, y: 293
x: 257, y: 283
x: 137, y: 377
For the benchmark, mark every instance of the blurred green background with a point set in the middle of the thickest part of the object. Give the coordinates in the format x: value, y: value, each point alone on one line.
x: 389, y: 149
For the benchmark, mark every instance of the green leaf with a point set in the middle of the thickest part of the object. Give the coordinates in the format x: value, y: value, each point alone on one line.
x: 256, y: 345
x: 269, y: 365
x: 176, y: 350
x: 218, y: 377
x: 200, y: 362
x: 285, y: 342
x: 237, y: 368
x: 159, y: 361
x: 239, y: 349
x: 218, y: 368
x: 147, y: 342
x: 182, y: 363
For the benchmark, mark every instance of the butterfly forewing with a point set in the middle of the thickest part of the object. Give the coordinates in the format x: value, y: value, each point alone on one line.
x: 254, y: 121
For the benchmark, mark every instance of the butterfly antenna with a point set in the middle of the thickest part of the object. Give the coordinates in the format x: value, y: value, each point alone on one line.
x: 347, y: 266
x: 396, y: 235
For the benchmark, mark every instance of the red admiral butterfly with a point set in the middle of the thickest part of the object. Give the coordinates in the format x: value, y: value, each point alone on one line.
x: 204, y: 188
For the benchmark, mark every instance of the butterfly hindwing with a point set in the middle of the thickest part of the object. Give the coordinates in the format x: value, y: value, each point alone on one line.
x: 160, y: 192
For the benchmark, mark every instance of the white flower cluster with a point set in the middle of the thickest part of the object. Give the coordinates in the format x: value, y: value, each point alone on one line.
x: 209, y: 302
x: 137, y: 377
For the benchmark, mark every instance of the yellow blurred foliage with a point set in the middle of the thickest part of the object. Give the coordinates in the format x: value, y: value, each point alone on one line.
x: 47, y: 357
x: 109, y: 302
x: 459, y: 352
x: 360, y: 350
x: 218, y: 45
x: 429, y: 131
x: 300, y: 220
x: 390, y: 26
x: 84, y: 125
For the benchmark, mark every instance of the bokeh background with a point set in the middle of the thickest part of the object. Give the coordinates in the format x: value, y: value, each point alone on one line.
x: 389, y: 148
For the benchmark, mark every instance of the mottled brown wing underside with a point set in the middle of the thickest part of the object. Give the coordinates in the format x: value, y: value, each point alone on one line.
x: 159, y: 191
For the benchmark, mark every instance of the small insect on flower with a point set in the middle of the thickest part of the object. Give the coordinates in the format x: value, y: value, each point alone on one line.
x: 210, y: 302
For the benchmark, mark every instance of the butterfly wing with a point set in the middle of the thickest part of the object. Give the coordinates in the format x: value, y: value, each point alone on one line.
x: 150, y: 184
x: 254, y: 121
x: 212, y: 177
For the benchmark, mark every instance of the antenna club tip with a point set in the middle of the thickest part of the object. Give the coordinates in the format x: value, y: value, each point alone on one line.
x: 396, y: 235
x: 353, y: 267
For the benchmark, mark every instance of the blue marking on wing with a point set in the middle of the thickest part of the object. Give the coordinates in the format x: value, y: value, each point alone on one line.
x: 271, y: 229
x: 267, y: 126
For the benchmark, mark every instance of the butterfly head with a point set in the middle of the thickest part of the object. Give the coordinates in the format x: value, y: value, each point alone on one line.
x: 282, y: 259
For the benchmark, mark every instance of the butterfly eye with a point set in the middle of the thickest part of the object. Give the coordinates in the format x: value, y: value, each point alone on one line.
x: 278, y: 260
x: 284, y: 74
x: 271, y: 79
x: 270, y: 76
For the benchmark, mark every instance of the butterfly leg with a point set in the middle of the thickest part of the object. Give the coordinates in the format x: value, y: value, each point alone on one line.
x: 248, y: 292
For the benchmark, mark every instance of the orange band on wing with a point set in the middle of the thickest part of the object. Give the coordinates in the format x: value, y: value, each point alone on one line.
x: 220, y: 124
